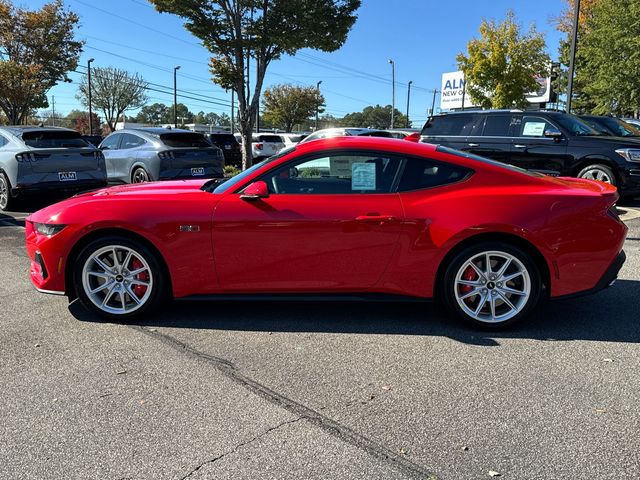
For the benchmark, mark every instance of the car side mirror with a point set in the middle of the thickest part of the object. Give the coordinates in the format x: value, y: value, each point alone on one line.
x: 553, y: 133
x: 255, y: 191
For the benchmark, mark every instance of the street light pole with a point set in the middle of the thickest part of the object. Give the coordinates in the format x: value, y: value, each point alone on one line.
x: 175, y: 96
x: 408, y: 96
x: 317, y: 106
x: 393, y: 89
x: 572, y: 58
x: 89, y: 85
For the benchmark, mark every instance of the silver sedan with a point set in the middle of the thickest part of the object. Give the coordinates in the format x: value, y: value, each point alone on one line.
x: 150, y: 154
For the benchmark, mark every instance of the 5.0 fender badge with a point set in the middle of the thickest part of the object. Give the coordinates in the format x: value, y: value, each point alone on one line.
x: 189, y: 228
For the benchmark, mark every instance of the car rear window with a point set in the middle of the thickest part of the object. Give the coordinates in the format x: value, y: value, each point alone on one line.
x: 222, y: 137
x: 422, y: 173
x: 53, y: 139
x: 184, y: 140
x: 454, y: 125
x: 270, y: 138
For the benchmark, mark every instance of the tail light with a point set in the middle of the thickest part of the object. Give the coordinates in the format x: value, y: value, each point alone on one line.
x: 414, y: 137
x: 166, y: 155
x: 259, y: 146
x: 98, y: 155
x: 25, y: 157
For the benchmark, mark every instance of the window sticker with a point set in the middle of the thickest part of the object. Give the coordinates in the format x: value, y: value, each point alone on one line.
x: 363, y: 176
x: 340, y: 166
x: 533, y: 129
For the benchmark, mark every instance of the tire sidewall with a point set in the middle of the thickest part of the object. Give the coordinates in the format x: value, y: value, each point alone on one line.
x: 146, y: 174
x: 449, y: 280
x: 158, y: 288
x: 599, y: 166
x: 10, y: 199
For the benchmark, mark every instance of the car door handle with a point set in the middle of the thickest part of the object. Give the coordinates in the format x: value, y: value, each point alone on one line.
x: 519, y: 146
x: 473, y: 144
x: 375, y: 218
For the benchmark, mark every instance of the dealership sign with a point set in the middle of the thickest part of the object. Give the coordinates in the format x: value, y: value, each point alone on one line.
x: 453, y: 85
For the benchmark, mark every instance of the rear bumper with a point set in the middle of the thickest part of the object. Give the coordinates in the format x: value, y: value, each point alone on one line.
x: 52, y: 187
x: 182, y: 173
x: 608, y: 278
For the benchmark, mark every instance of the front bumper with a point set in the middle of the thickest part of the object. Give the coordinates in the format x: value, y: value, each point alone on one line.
x: 608, y: 278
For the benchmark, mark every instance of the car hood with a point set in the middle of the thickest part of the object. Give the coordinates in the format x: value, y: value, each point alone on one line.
x: 150, y: 190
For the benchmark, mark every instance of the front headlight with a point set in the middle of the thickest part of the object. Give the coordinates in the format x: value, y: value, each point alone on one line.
x: 629, y: 154
x: 48, y: 229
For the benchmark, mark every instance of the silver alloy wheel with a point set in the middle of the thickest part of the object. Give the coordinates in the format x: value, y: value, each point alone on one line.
x: 492, y: 286
x: 140, y: 176
x: 4, y: 193
x: 596, y: 173
x: 117, y: 279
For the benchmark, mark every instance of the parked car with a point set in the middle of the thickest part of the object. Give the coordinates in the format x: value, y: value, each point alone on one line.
x: 633, y: 121
x: 611, y: 126
x: 265, y: 145
x: 343, y: 217
x: 94, y: 140
x: 555, y: 143
x: 149, y: 154
x: 403, y: 133
x: 39, y: 159
x: 346, y: 132
x: 230, y: 147
x: 291, y: 139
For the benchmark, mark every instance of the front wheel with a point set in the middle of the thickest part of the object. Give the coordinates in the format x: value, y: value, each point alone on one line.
x: 118, y: 278
x: 491, y: 285
x: 599, y: 172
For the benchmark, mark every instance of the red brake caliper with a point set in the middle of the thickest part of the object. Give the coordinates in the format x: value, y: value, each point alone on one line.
x: 469, y: 274
x: 139, y: 290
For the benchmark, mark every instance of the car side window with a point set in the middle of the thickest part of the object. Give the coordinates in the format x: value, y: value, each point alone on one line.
x: 3, y: 141
x: 534, y: 127
x: 420, y: 173
x: 339, y: 173
x: 451, y: 125
x: 497, y: 126
x: 111, y: 142
x: 131, y: 141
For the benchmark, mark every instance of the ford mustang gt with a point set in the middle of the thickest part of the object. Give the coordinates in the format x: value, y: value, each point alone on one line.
x: 353, y: 217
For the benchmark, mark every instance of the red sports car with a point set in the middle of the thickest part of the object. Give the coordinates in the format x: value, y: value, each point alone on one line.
x: 343, y: 217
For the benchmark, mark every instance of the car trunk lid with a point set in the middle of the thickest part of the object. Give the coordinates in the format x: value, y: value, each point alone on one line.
x: 61, y: 160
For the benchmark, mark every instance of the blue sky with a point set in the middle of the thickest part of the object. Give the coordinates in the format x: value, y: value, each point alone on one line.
x: 421, y: 36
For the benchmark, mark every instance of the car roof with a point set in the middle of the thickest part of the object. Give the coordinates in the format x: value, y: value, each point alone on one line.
x: 154, y: 130
x: 18, y: 130
x: 370, y: 143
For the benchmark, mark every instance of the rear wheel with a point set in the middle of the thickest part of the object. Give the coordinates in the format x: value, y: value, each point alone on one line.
x: 491, y: 285
x: 139, y: 175
x: 7, y: 202
x: 597, y: 171
x: 118, y: 278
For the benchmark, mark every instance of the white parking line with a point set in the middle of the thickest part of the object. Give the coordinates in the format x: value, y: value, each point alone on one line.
x: 629, y: 213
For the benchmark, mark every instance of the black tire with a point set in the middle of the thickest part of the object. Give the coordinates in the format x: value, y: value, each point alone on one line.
x: 140, y: 175
x: 598, y: 171
x: 150, y: 302
x: 7, y: 201
x: 489, y: 294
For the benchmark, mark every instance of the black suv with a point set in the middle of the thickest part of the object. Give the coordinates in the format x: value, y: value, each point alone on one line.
x: 229, y: 146
x: 555, y: 143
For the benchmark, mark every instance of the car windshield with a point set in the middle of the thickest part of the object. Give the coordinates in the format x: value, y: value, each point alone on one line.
x: 180, y: 140
x: 53, y: 139
x: 575, y: 125
x: 233, y: 181
x: 471, y: 156
x: 620, y: 128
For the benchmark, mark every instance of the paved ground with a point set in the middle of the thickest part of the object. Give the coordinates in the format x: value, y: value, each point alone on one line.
x: 292, y: 390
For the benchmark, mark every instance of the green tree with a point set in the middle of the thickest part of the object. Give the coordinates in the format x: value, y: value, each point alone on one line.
x: 612, y: 44
x: 154, y: 114
x: 502, y: 64
x: 37, y: 50
x: 235, y: 31
x: 286, y: 105
x: 375, y: 117
x: 113, y: 91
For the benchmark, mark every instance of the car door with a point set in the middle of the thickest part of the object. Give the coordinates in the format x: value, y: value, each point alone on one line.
x: 532, y: 149
x: 330, y: 223
x: 492, y: 137
x: 128, y: 154
x: 109, y: 147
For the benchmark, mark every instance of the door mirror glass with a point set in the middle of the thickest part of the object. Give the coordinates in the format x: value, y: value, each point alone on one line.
x: 255, y: 191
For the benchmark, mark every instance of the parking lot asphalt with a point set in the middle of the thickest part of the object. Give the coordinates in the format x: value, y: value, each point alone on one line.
x: 331, y: 390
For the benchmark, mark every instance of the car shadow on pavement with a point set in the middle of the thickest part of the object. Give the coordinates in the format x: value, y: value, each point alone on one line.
x: 609, y: 316
x: 10, y: 221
